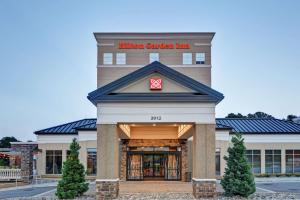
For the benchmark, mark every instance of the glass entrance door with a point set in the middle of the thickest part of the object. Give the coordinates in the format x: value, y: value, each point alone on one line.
x: 154, y: 165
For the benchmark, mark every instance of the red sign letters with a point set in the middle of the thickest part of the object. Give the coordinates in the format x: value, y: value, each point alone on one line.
x: 128, y: 45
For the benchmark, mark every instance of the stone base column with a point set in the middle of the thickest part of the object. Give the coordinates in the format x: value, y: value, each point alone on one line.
x: 184, y: 160
x: 107, y: 189
x: 204, y: 188
x: 123, y: 160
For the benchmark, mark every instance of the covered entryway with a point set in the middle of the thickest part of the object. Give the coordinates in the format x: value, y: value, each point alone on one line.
x: 130, y: 112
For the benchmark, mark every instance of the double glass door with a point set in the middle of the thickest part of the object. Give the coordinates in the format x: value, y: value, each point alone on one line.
x: 157, y: 165
x: 154, y: 165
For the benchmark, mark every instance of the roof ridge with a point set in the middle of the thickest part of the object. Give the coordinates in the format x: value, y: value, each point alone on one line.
x: 287, y: 121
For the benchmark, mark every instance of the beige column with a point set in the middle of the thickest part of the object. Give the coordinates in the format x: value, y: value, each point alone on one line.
x: 204, y: 177
x: 283, y: 161
x: 107, y: 182
x: 204, y: 151
x: 263, y: 161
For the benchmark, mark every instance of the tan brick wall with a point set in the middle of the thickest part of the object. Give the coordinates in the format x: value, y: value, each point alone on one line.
x: 137, y: 58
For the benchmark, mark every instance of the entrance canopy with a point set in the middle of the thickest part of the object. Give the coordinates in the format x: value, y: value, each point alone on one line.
x: 155, y: 131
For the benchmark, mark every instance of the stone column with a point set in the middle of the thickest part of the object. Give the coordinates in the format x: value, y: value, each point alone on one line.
x: 123, y: 160
x: 25, y: 149
x: 107, y: 182
x: 204, y: 178
x: 184, y: 159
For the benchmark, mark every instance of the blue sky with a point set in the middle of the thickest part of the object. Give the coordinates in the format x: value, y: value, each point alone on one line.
x: 48, y: 54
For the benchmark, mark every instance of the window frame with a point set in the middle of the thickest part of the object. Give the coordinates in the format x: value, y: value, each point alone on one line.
x: 273, y: 154
x: 218, y: 161
x: 105, y: 56
x: 118, y: 59
x: 293, y: 160
x: 153, y: 60
x: 201, y: 61
x: 253, y: 154
x: 93, y: 153
x: 184, y: 58
x: 54, y: 155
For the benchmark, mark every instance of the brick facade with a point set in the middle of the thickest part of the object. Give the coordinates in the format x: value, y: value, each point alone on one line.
x: 25, y: 151
x: 204, y: 188
x: 107, y: 189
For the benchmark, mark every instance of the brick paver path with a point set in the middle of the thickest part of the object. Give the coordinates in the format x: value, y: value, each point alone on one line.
x: 155, y: 186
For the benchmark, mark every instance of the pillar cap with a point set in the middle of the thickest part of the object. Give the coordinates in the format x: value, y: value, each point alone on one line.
x: 107, y: 180
x: 204, y: 179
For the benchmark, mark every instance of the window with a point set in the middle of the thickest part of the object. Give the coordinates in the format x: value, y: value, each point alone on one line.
x: 273, y: 161
x: 218, y: 162
x: 153, y: 57
x: 187, y: 58
x: 200, y: 58
x: 121, y: 59
x: 292, y: 160
x: 107, y: 58
x: 91, y: 161
x: 253, y: 157
x: 53, y: 162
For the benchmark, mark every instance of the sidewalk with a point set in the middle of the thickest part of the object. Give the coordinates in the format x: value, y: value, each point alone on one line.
x: 49, y: 184
x: 276, y: 179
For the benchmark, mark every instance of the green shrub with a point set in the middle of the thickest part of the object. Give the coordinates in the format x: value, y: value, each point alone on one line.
x: 297, y: 174
x: 72, y: 183
x: 288, y: 174
x: 267, y: 175
x: 238, y: 178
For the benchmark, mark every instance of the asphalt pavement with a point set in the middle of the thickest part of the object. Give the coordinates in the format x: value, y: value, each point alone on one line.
x: 292, y: 187
x: 289, y: 186
x: 25, y: 192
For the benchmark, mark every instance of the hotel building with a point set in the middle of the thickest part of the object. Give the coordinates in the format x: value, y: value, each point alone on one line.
x: 156, y: 119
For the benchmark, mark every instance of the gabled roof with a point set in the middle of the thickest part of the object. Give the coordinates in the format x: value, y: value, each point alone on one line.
x: 203, y: 92
x: 67, y: 128
x: 240, y: 125
x: 260, y: 125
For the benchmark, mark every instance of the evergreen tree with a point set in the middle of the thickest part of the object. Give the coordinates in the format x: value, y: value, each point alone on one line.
x: 238, y: 178
x: 72, y: 183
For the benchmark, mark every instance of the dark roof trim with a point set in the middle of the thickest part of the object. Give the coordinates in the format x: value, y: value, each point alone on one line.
x: 155, y: 97
x: 67, y: 128
x: 102, y: 93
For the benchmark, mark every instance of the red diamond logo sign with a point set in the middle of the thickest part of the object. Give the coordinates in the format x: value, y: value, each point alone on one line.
x: 155, y: 83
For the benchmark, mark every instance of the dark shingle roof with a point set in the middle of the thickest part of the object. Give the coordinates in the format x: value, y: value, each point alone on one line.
x: 240, y: 125
x: 68, y: 128
x: 260, y: 125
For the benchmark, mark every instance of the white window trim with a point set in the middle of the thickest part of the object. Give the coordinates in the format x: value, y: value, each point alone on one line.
x: 152, y: 53
x: 111, y: 61
x: 201, y: 58
x: 120, y: 59
x: 184, y: 60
